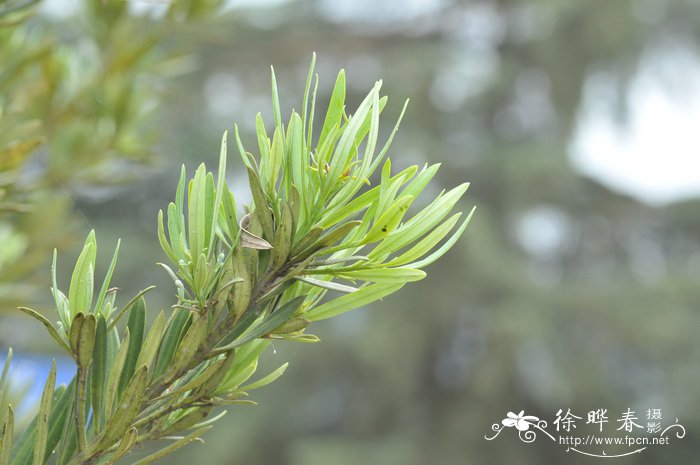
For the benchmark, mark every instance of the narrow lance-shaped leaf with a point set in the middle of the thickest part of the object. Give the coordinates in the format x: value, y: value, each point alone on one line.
x: 81, y: 283
x: 108, y: 278
x: 6, y: 436
x: 129, y: 404
x: 221, y: 190
x: 136, y: 325
x: 424, y: 221
x: 49, y: 327
x: 196, y: 198
x: 333, y: 286
x: 427, y: 243
x: 152, y: 342
x: 125, y: 445
x: 115, y: 373
x: 262, y: 210
x: 193, y: 436
x: 268, y: 325
x: 352, y: 301
x: 334, y: 114
x: 192, y: 341
x: 98, y: 373
x: 171, y: 339
x: 446, y: 246
x: 266, y: 380
x: 42, y: 428
x: 384, y: 275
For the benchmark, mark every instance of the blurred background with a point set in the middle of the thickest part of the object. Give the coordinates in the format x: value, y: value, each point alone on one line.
x: 576, y: 285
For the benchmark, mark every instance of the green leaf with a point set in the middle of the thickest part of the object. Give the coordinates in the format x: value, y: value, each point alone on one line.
x: 59, y: 299
x: 333, y: 286
x: 334, y: 114
x: 221, y: 190
x: 50, y: 328
x: 191, y: 342
x: 298, y: 162
x: 128, y: 408
x: 98, y: 373
x: 424, y: 221
x: 283, y: 237
x: 81, y: 283
x: 196, y: 200
x: 76, y: 327
x: 328, y: 240
x: 108, y: 278
x: 266, y: 171
x: 112, y: 391
x: 187, y: 420
x: 198, y: 380
x: 343, y: 152
x: 128, y: 306
x: 388, y: 222
x: 42, y: 428
x: 23, y: 450
x: 3, y: 377
x: 178, y: 241
x: 276, y: 158
x: 6, y: 435
x: 446, y: 246
x: 305, y: 101
x: 86, y: 340
x: 384, y: 275
x: 193, y: 436
x: 209, y: 218
x: 152, y: 342
x: 136, y: 325
x: 262, y: 210
x: 125, y: 445
x: 427, y: 243
x: 266, y: 380
x: 352, y: 301
x: 275, y: 100
x: 269, y: 324
x: 242, y: 290
x: 231, y: 221
x: 171, y: 340
x: 336, y: 214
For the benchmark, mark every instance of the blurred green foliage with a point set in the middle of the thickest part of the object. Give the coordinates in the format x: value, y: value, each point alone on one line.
x: 76, y: 114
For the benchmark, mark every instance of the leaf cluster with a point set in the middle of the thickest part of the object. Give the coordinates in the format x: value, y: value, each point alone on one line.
x: 317, y: 240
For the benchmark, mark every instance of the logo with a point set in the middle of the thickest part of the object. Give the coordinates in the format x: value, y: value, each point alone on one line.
x: 598, y: 435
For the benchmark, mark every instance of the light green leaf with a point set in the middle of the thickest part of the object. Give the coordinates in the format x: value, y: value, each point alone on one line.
x: 136, y: 325
x: 125, y: 445
x: 427, y: 243
x: 384, y: 275
x: 333, y: 286
x: 50, y: 328
x: 6, y: 436
x: 446, y: 246
x: 334, y: 114
x: 152, y: 342
x: 193, y: 436
x: 171, y: 340
x: 108, y: 278
x: 352, y: 301
x: 128, y: 408
x: 98, y: 373
x: 112, y: 392
x: 42, y: 427
x: 81, y: 283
